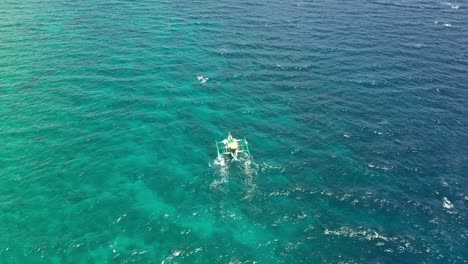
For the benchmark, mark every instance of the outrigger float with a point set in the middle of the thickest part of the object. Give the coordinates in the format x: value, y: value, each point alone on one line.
x: 231, y: 146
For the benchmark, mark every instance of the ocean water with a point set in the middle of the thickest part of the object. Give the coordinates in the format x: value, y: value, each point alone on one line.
x: 356, y: 113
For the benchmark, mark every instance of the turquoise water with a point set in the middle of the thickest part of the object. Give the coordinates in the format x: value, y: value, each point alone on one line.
x: 355, y: 111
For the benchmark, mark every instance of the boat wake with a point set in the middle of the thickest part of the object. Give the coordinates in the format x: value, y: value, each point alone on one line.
x: 223, y: 166
x: 250, y: 170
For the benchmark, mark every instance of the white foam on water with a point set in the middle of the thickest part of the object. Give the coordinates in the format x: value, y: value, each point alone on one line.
x: 223, y: 51
x: 301, y: 216
x: 445, y: 24
x: 221, y: 166
x: 250, y: 168
x: 250, y: 171
x: 380, y: 167
x: 397, y: 242
x: 447, y: 204
x: 453, y: 5
x: 293, y: 152
x: 119, y: 219
x: 173, y: 255
x: 194, y: 251
x: 202, y: 79
x: 266, y: 167
x: 281, y: 193
x: 415, y: 44
x: 135, y: 252
x: 378, y: 133
x: 366, y: 234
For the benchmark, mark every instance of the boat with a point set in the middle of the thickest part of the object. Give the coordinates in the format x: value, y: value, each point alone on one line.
x: 232, y: 147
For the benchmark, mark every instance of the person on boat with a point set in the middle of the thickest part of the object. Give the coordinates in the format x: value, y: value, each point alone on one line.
x: 232, y: 144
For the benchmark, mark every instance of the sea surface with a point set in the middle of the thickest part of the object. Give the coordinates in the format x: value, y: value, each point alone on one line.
x: 356, y: 114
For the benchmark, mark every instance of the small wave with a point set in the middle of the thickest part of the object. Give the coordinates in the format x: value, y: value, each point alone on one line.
x: 202, y: 79
x: 174, y: 254
x: 280, y: 193
x: 415, y: 45
x: 447, y: 204
x: 396, y: 242
x: 304, y: 67
x: 445, y: 24
x: 266, y: 167
x: 366, y: 234
x: 223, y: 51
x: 378, y: 133
x: 77, y: 245
x: 136, y: 252
x: 367, y: 199
x: 380, y: 167
x: 453, y: 5
x: 119, y: 219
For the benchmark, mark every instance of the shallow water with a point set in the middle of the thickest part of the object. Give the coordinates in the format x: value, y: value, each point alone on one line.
x: 355, y: 112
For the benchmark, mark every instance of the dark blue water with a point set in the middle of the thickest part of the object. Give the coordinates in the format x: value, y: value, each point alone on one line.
x: 355, y: 113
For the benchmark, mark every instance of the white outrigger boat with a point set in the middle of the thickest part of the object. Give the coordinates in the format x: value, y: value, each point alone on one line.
x: 232, y: 147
